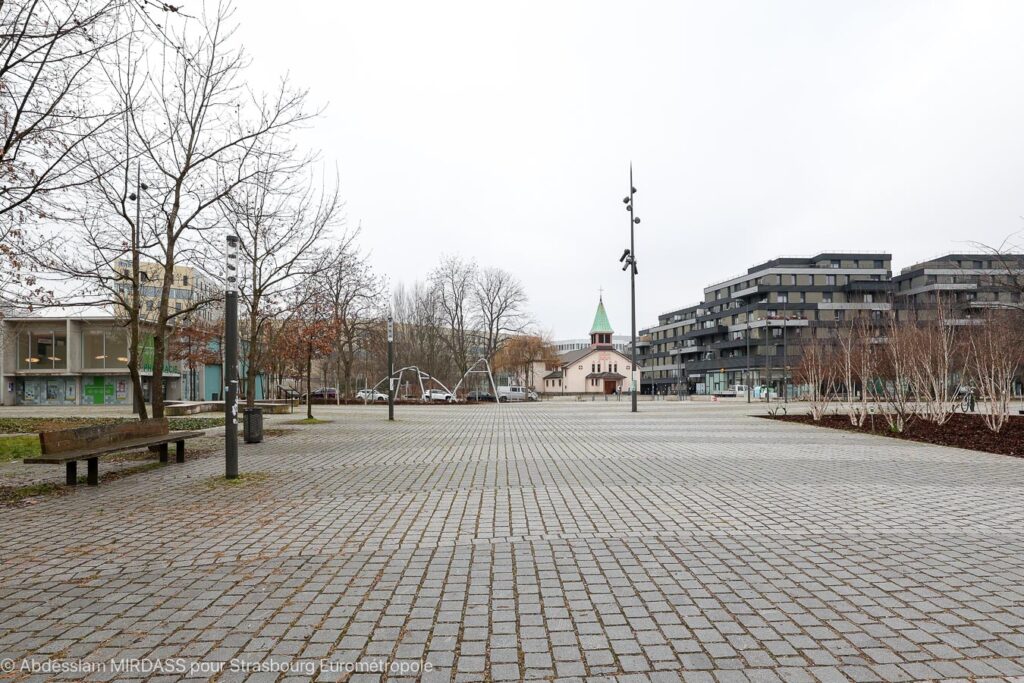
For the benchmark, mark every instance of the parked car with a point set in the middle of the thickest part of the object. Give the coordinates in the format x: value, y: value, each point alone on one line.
x: 437, y: 395
x: 480, y: 396
x: 371, y: 395
x: 323, y: 394
x: 506, y: 394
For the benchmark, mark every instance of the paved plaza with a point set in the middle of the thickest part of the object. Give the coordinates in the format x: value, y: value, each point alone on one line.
x: 554, y: 541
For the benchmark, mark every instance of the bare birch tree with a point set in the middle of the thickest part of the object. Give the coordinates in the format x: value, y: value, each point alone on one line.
x: 894, y: 387
x: 995, y: 361
x: 818, y: 370
x: 934, y: 361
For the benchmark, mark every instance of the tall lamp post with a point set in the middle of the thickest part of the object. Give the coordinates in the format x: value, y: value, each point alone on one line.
x: 136, y: 243
x: 628, y: 260
x: 231, y: 359
x: 746, y: 375
x: 391, y: 368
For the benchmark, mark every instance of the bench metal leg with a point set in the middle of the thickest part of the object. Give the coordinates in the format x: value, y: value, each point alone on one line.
x: 71, y: 470
x: 179, y: 451
x: 93, y: 478
x: 163, y: 452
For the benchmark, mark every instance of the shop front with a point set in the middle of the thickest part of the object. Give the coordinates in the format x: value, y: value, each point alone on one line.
x: 46, y: 391
x: 106, y: 390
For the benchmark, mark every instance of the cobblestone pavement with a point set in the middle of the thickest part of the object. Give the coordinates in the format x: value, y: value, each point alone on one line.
x: 543, y: 541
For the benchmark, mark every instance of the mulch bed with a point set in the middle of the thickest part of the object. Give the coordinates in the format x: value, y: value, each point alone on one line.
x: 961, y: 431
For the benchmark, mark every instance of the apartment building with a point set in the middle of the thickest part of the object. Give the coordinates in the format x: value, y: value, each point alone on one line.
x: 749, y: 329
x: 968, y: 284
x: 189, y: 288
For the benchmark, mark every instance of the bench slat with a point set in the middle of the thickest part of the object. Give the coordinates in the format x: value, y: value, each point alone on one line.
x: 66, y: 440
x: 133, y: 444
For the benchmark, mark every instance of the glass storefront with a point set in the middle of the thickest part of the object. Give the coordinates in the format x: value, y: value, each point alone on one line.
x: 105, y: 349
x: 42, y: 350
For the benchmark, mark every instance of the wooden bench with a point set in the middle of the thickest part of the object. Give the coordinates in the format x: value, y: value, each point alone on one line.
x: 68, y: 446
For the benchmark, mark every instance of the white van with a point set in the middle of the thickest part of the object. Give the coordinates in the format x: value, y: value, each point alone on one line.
x: 506, y: 394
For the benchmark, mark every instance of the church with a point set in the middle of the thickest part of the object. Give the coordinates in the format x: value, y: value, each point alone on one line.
x: 597, y: 369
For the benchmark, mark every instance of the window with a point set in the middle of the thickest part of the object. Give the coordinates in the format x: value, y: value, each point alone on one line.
x: 835, y: 264
x: 782, y: 297
x: 826, y: 297
x: 830, y: 280
x: 878, y: 264
x: 868, y: 298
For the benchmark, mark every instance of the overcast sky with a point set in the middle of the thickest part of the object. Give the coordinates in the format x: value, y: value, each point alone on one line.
x: 504, y: 132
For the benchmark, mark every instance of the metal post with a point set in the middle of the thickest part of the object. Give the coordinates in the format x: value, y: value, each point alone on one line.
x: 632, y: 291
x: 231, y: 360
x: 391, y: 368
x: 136, y: 233
x: 785, y: 351
x: 746, y: 375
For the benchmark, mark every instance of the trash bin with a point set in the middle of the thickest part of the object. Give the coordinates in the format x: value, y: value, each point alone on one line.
x: 252, y: 425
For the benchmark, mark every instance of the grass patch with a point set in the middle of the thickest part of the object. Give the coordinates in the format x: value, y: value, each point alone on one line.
x: 13, y: 496
x: 34, y: 425
x: 18, y: 447
x: 244, y: 479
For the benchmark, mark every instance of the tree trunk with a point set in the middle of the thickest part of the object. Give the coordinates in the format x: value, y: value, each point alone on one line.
x: 133, y: 369
x: 156, y: 382
x: 309, y: 382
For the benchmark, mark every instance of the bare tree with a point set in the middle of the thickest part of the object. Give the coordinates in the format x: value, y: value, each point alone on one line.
x: 499, y: 300
x: 995, y: 360
x: 818, y: 370
x: 283, y: 220
x: 358, y: 301
x: 934, y: 361
x: 48, y: 51
x: 420, y: 337
x: 856, y: 367
x: 200, y: 128
x: 895, y: 383
x: 453, y: 281
x: 51, y: 104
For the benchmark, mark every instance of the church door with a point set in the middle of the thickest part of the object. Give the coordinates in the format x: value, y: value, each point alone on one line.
x: 609, y: 386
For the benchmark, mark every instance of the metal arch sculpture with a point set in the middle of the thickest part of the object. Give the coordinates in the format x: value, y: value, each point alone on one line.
x: 420, y: 376
x: 473, y: 370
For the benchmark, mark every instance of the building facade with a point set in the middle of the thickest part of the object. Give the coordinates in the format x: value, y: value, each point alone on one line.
x: 79, y: 358
x: 749, y: 330
x: 966, y: 284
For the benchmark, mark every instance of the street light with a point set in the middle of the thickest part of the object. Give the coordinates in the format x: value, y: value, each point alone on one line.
x: 746, y: 375
x: 628, y: 260
x: 391, y: 368
x: 136, y: 241
x: 231, y: 358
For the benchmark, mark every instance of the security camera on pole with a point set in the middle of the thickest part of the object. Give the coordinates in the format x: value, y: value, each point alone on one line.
x: 628, y: 260
x: 231, y: 359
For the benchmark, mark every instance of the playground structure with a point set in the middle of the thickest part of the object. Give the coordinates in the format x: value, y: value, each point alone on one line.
x: 425, y: 379
x: 474, y: 369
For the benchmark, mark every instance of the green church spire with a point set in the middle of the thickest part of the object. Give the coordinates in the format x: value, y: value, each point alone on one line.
x: 601, y: 324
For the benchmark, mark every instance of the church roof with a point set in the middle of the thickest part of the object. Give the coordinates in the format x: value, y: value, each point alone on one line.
x: 601, y: 324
